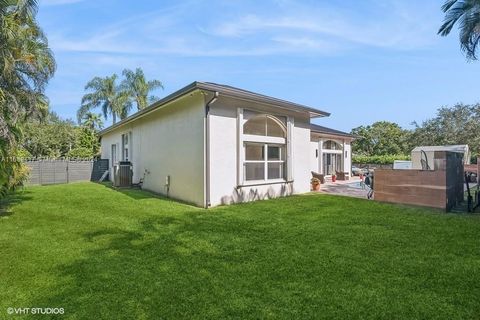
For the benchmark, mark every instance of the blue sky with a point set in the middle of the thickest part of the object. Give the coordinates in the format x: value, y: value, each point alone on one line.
x: 363, y: 61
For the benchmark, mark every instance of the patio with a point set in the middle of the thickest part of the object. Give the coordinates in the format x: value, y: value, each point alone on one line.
x: 349, y: 188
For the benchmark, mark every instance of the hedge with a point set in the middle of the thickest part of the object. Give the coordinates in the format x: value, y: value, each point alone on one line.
x: 384, y: 159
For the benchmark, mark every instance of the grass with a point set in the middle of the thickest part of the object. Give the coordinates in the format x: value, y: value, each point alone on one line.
x: 106, y: 254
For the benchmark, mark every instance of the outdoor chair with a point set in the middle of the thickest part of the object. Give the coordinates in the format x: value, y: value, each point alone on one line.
x: 319, y: 176
x: 342, y: 175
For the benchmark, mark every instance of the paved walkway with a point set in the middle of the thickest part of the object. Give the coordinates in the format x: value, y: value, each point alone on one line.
x: 350, y: 188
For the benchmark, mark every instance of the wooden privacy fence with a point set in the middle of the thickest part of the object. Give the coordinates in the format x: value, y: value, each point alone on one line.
x: 440, y: 188
x: 43, y: 172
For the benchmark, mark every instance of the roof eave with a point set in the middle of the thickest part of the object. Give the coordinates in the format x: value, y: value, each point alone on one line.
x: 346, y: 135
x: 313, y: 113
x: 240, y: 94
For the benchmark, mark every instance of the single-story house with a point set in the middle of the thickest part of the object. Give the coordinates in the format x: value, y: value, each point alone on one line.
x: 211, y: 144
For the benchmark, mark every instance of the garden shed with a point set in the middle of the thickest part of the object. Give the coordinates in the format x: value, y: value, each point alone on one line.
x: 427, y: 154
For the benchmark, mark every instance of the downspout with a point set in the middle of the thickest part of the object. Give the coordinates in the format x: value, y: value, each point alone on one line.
x: 207, y: 148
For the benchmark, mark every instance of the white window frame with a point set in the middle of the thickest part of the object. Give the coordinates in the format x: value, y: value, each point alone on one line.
x: 126, y: 146
x: 242, y: 139
x: 113, y: 154
x: 340, y: 146
x: 339, y: 151
x: 266, y: 162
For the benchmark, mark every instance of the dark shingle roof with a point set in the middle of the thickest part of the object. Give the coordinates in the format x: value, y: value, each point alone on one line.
x: 325, y: 130
x: 226, y: 91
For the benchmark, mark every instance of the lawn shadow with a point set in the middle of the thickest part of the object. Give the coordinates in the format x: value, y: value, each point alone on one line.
x: 140, y: 194
x: 7, y: 203
x: 137, y: 194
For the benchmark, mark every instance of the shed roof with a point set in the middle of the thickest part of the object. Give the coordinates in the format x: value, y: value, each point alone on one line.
x: 461, y: 148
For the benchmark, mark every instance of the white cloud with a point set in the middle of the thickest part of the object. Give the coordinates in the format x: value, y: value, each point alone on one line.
x: 395, y: 25
x: 98, y: 42
x: 305, y: 43
x: 288, y: 27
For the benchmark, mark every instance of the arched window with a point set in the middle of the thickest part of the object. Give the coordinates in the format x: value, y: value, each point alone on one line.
x: 265, y: 125
x: 331, y: 145
x: 264, y: 148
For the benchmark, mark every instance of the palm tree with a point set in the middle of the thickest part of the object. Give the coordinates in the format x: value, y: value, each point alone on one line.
x: 26, y: 65
x: 26, y: 62
x: 465, y: 13
x: 108, y: 96
x: 139, y: 88
x: 93, y: 121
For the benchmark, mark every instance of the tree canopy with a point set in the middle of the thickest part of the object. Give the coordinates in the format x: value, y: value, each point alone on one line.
x: 458, y: 124
x: 380, y: 138
x: 54, y: 137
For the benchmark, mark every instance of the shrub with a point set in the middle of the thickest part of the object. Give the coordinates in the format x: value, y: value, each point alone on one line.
x: 23, y: 154
x: 80, y: 152
x: 473, y: 158
x: 13, y: 173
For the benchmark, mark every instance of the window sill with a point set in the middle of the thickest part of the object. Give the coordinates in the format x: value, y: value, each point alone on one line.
x: 263, y: 182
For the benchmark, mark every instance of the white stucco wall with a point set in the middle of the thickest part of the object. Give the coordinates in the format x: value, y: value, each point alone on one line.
x: 302, y: 155
x: 347, y: 164
x: 171, y: 141
x: 224, y: 155
x: 168, y: 141
x: 314, y: 160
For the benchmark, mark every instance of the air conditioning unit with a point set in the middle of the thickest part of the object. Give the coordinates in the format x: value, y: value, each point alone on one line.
x: 122, y: 174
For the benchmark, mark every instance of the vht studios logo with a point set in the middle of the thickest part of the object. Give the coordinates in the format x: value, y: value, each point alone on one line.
x: 21, y: 311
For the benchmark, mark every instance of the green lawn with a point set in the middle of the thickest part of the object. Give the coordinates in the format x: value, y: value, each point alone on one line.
x: 105, y: 254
